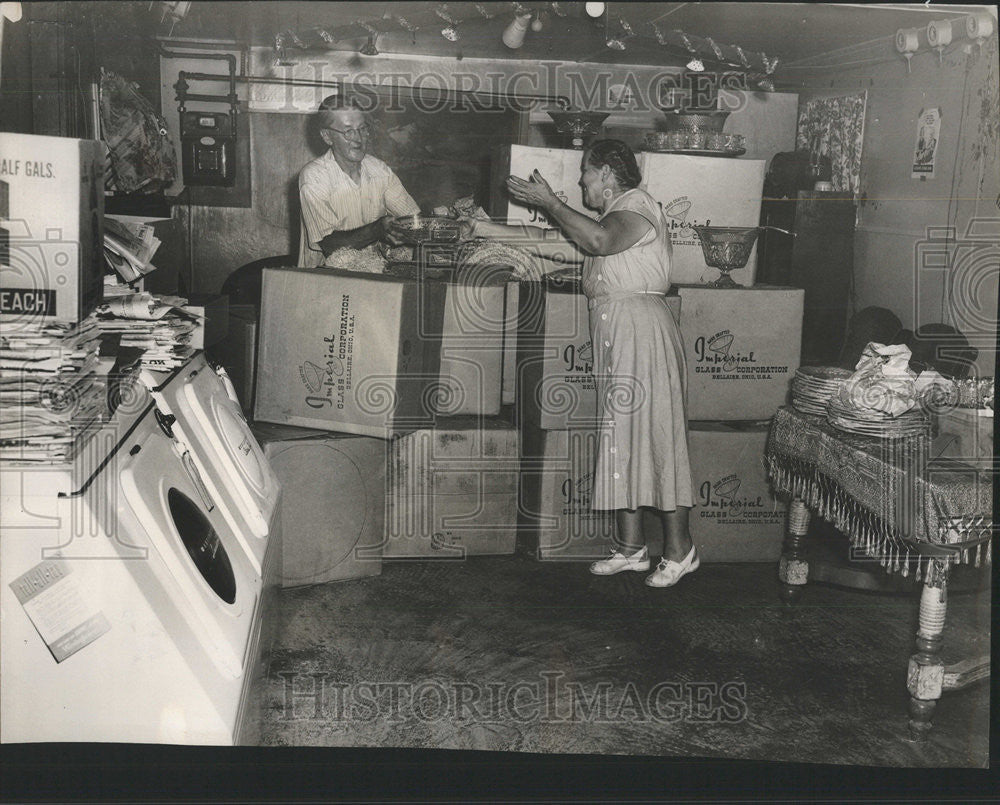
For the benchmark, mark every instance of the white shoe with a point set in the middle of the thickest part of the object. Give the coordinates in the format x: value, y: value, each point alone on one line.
x: 618, y: 562
x: 668, y: 572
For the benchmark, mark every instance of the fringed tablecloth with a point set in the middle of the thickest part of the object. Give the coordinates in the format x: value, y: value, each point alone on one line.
x: 884, y: 494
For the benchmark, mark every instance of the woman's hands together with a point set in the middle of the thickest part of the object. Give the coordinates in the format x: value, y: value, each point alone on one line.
x: 533, y: 192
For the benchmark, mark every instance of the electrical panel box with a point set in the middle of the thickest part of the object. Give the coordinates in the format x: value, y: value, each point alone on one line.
x: 208, y: 144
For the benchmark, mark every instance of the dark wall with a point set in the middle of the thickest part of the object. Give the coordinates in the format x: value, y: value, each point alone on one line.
x: 56, y: 50
x: 439, y: 157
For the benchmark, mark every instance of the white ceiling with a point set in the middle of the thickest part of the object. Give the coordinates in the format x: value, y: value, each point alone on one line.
x: 790, y: 31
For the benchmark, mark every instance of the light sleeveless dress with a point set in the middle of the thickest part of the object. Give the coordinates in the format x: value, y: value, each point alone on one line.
x: 640, y: 370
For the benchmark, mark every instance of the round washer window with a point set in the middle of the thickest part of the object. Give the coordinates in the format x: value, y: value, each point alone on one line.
x: 203, y: 545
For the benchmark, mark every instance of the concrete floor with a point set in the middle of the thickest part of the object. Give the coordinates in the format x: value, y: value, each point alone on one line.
x: 509, y: 654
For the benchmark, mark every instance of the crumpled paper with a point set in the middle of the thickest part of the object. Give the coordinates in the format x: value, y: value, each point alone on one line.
x: 882, y: 381
x: 143, y: 306
x: 935, y: 392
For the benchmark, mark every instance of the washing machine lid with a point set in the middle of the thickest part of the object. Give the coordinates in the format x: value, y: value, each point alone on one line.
x: 211, y: 425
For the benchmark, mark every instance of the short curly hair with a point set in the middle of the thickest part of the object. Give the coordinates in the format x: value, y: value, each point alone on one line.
x: 338, y: 101
x: 617, y: 156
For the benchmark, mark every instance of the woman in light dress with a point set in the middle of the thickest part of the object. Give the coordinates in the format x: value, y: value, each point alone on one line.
x: 638, y: 360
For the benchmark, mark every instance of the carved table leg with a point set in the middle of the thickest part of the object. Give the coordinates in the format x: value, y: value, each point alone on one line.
x: 793, y: 569
x: 925, y: 674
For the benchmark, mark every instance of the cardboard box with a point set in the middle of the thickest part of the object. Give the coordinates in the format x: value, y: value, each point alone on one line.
x: 509, y: 369
x: 350, y: 352
x: 452, y: 491
x: 51, y: 229
x: 557, y: 477
x: 736, y: 518
x: 559, y: 166
x: 332, y: 502
x: 555, y: 357
x: 742, y: 347
x: 237, y: 352
x: 705, y: 191
x: 471, y: 350
x: 213, y: 319
x: 555, y: 386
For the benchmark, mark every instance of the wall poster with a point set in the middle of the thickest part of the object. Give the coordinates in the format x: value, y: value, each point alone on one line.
x: 925, y: 150
x: 835, y: 128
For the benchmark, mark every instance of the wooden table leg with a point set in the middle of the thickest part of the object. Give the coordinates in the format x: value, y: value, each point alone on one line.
x: 925, y: 674
x: 793, y: 569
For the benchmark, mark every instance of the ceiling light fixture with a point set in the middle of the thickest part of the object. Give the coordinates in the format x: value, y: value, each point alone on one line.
x: 513, y: 35
x: 405, y: 23
x: 594, y: 10
x: 618, y: 42
x: 176, y: 10
x: 451, y: 32
x: 369, y: 48
x: 280, y: 51
x: 695, y: 65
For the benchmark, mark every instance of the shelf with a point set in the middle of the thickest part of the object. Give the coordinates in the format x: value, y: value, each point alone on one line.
x: 698, y: 152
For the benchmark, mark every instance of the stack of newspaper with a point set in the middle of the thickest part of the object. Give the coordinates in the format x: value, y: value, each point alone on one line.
x: 129, y: 247
x: 154, y: 324
x: 51, y: 399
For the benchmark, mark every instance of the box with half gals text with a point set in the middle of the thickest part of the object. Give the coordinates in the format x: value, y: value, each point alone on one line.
x: 51, y: 229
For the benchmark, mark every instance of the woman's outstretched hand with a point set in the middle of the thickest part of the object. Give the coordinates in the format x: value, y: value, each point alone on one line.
x: 535, y: 192
x: 467, y: 227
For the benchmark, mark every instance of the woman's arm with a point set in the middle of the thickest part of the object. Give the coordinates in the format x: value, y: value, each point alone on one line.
x: 616, y: 232
x: 547, y: 243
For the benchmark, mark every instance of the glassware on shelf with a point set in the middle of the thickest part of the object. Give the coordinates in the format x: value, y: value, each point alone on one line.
x: 696, y: 140
x: 716, y: 141
x: 677, y: 140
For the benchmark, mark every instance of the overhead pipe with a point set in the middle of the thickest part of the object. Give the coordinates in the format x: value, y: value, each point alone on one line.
x: 559, y: 100
x: 181, y: 85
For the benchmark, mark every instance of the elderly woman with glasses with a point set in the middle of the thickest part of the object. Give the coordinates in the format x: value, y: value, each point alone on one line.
x: 347, y: 196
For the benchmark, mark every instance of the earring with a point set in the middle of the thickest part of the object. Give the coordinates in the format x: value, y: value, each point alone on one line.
x: 607, y: 192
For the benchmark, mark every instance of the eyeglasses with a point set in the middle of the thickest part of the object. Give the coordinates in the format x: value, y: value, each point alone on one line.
x: 349, y: 134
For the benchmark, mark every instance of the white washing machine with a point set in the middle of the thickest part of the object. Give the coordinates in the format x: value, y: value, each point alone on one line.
x: 129, y: 610
x: 202, y: 411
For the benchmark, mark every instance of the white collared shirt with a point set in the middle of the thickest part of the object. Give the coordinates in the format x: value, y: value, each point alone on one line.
x: 332, y: 201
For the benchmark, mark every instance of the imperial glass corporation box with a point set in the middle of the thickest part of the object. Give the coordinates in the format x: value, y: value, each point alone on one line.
x: 51, y: 228
x: 451, y: 491
x: 555, y: 386
x: 735, y: 517
x: 742, y: 347
x: 346, y: 351
x: 471, y: 350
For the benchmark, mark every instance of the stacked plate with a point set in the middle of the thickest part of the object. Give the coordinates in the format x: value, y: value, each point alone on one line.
x: 868, y: 422
x: 813, y: 386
